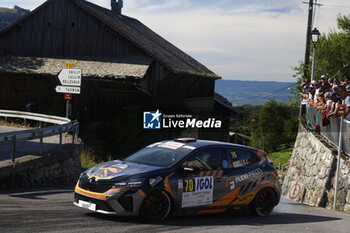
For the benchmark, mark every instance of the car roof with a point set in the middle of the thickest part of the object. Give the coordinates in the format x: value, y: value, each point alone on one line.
x: 205, y: 143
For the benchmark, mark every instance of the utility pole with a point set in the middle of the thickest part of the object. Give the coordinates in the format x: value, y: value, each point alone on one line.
x: 308, y: 36
x: 308, y: 33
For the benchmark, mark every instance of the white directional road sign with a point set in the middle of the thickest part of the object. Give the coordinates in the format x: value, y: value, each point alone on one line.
x: 67, y: 89
x: 70, y: 77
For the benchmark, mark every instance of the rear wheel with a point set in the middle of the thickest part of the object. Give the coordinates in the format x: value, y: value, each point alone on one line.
x: 156, y: 206
x: 264, y: 202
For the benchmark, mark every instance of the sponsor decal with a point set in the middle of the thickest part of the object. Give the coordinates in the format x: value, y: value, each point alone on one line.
x: 154, y: 181
x: 87, y: 205
x: 120, y: 166
x: 189, y: 147
x: 96, y: 175
x: 109, y: 172
x: 232, y: 185
x: 180, y: 184
x: 197, y: 191
x: 240, y: 163
x: 247, y: 175
x: 233, y: 154
x: 152, y: 120
x: 171, y: 145
x: 157, y: 120
x: 224, y: 164
x: 249, y: 195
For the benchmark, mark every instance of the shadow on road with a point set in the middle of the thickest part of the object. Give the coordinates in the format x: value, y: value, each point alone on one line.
x: 223, y: 219
x: 37, y: 193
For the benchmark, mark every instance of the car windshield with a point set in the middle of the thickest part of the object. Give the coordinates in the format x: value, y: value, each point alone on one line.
x: 157, y: 156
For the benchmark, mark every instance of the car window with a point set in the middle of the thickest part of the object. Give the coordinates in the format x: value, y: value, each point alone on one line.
x: 205, y: 160
x: 157, y: 156
x: 239, y: 157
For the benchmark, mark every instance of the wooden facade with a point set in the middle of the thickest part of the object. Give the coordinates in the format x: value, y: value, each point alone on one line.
x: 60, y: 28
x: 158, y: 73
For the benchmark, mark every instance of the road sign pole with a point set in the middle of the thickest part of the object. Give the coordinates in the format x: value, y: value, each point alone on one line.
x: 67, y: 108
x: 338, y: 162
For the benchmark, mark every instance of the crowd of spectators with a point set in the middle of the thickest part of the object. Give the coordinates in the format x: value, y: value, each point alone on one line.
x: 326, y: 95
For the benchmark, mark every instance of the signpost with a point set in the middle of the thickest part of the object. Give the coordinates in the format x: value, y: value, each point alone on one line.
x: 67, y: 96
x: 68, y: 89
x: 70, y: 78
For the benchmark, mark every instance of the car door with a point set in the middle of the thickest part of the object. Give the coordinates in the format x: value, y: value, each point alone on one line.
x: 241, y: 174
x: 202, y: 183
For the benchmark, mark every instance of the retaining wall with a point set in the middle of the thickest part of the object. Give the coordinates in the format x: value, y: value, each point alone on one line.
x: 310, y: 178
x: 61, y: 167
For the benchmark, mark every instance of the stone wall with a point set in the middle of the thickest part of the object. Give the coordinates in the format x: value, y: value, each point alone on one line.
x: 310, y: 178
x: 61, y: 167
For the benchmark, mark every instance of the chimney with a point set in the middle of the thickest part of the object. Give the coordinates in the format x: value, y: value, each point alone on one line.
x: 117, y: 6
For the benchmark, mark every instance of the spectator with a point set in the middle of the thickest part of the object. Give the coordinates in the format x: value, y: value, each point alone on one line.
x: 335, y: 105
x: 330, y: 81
x: 344, y: 95
x: 336, y: 91
x: 325, y: 81
x: 311, y: 96
x: 305, y: 93
x: 30, y: 106
x: 317, y: 86
x: 325, y: 108
x: 347, y: 81
x: 335, y: 81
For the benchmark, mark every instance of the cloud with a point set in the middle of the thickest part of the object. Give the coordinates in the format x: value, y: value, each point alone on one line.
x: 237, y: 43
x: 240, y: 39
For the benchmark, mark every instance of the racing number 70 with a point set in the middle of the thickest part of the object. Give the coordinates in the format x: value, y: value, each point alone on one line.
x: 189, y: 185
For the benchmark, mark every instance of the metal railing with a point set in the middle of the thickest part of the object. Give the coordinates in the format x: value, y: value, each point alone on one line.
x: 329, y: 129
x: 61, y: 125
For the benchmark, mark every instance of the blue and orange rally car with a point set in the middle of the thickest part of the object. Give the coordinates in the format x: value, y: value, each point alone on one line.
x: 181, y: 176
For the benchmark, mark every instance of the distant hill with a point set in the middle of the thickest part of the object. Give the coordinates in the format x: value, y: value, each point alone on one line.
x: 253, y: 92
x: 8, y: 16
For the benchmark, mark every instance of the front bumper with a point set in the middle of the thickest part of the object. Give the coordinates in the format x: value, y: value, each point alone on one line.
x: 123, y: 201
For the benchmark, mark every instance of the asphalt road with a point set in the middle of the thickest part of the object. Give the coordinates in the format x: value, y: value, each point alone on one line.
x: 51, y: 210
x: 28, y: 147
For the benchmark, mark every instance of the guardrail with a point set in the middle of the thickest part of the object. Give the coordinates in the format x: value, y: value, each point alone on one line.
x: 330, y: 130
x: 62, y: 125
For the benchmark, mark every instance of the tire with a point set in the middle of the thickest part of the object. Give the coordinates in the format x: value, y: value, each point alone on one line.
x: 155, y: 206
x: 264, y: 202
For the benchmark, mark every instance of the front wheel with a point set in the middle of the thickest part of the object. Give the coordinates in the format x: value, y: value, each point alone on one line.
x: 156, y: 206
x: 264, y: 202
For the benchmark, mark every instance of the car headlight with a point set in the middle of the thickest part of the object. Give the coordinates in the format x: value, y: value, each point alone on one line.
x: 129, y: 184
x: 88, y: 172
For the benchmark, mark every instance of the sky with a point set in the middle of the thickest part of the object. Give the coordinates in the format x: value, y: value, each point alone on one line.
x: 237, y: 39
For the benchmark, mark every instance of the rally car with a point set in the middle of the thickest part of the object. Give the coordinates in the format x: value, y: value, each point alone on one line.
x: 181, y: 176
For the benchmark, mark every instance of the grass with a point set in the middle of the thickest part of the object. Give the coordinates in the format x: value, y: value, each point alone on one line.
x: 14, y: 124
x: 89, y: 159
x: 280, y: 156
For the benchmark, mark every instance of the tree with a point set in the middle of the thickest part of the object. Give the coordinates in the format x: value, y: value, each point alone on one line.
x: 272, y: 126
x: 332, y: 52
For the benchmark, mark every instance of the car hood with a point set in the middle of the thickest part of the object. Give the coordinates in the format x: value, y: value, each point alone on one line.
x: 119, y: 170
